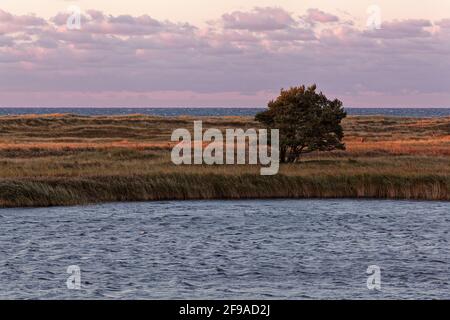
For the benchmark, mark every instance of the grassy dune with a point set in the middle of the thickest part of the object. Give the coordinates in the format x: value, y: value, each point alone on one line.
x: 65, y: 159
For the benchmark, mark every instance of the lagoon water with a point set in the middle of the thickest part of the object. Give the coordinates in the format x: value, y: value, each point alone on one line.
x: 264, y: 249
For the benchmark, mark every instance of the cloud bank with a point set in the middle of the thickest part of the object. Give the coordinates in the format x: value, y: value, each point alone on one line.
x: 241, y: 59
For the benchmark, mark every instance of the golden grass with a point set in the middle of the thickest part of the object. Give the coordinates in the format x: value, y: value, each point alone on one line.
x: 66, y: 159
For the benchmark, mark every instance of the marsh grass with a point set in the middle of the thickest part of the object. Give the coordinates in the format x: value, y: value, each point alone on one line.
x: 66, y: 160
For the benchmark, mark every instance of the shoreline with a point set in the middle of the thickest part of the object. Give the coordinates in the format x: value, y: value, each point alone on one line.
x: 96, y: 190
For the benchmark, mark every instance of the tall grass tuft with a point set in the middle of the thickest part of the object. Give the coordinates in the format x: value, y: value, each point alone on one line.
x: 86, y: 190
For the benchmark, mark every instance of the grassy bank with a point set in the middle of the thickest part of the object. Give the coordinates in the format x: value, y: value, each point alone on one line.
x: 61, y: 191
x: 66, y: 160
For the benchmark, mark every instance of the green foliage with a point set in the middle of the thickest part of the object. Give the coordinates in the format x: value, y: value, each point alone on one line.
x: 307, y: 121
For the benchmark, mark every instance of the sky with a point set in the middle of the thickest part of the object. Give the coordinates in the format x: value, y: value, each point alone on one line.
x: 170, y: 53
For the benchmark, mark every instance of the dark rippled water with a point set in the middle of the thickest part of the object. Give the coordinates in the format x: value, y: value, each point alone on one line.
x: 283, y: 249
x: 400, y: 112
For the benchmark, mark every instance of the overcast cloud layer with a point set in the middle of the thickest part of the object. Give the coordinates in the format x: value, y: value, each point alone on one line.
x: 241, y: 59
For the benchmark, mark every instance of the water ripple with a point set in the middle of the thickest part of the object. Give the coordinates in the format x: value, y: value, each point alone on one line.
x: 274, y: 249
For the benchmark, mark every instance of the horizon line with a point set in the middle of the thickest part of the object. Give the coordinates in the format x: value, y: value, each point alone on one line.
x: 190, y: 107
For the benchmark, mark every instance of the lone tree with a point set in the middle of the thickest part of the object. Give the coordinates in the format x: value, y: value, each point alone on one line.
x: 307, y: 121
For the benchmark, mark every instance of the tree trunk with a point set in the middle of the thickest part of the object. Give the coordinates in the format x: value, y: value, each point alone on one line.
x: 283, y: 154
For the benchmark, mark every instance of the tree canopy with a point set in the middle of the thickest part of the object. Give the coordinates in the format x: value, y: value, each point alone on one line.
x: 307, y: 121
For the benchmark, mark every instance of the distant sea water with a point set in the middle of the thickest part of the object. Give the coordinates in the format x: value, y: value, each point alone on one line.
x: 400, y: 112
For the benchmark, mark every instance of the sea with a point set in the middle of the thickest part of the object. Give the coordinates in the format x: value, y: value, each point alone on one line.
x: 86, y: 111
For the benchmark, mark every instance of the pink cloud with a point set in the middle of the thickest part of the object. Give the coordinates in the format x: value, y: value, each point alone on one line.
x: 240, y: 59
x: 318, y: 16
x: 135, y: 99
x: 445, y: 23
x: 260, y: 19
x: 412, y: 28
x: 10, y: 23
